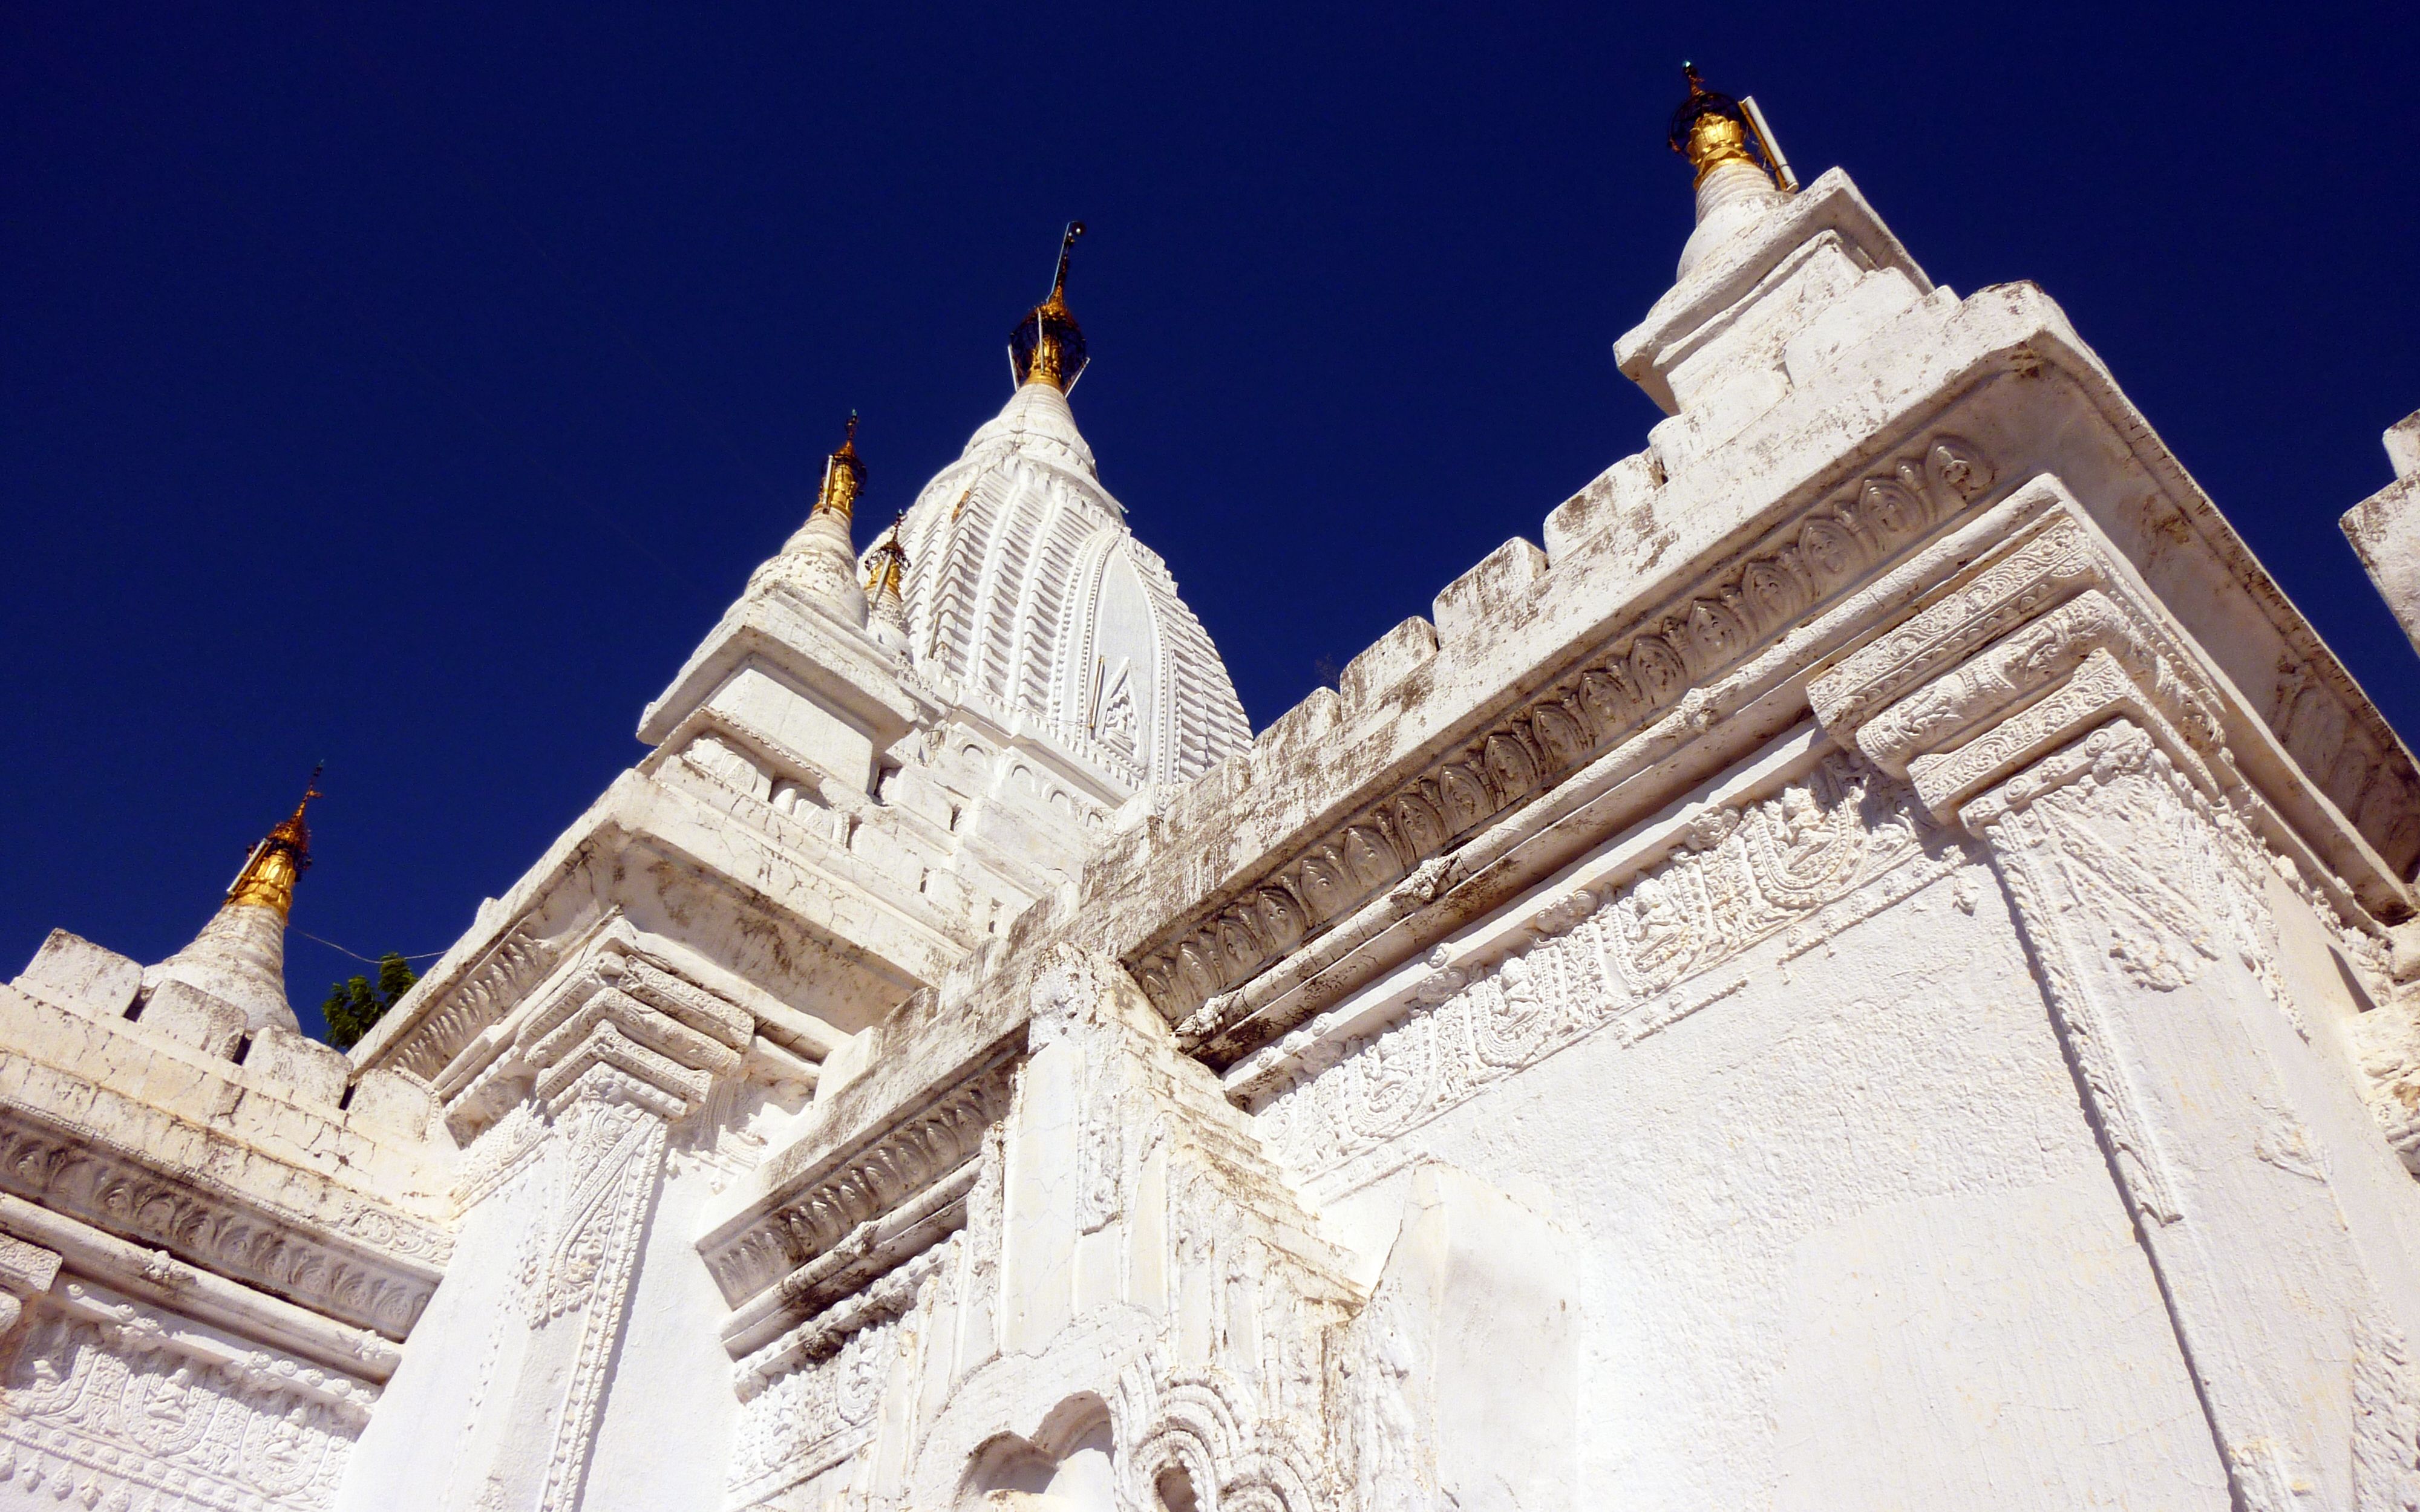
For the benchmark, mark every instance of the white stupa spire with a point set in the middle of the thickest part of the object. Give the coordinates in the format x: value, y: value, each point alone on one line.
x: 239, y: 956
x: 820, y: 558
x: 1738, y: 183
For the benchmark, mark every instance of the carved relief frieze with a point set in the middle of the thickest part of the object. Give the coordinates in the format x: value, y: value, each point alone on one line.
x: 2364, y: 772
x: 810, y: 1399
x: 350, y: 1261
x: 509, y: 969
x: 859, y: 1185
x: 1632, y: 959
x: 2055, y: 595
x: 109, y: 1403
x: 813, y: 1417
x: 615, y: 1007
x: 26, y: 1270
x: 2004, y: 666
x: 1816, y: 558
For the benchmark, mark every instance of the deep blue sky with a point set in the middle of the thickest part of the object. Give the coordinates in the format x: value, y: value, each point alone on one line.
x: 412, y: 390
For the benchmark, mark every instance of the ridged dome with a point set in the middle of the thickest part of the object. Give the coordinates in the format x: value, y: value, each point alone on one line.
x: 1028, y: 596
x: 1037, y: 421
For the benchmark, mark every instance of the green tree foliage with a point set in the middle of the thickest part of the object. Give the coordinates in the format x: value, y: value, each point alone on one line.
x: 353, y: 1005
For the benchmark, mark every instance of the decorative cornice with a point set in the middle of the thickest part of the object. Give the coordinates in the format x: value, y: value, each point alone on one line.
x: 821, y: 1336
x: 353, y: 1260
x: 1817, y: 555
x: 858, y: 1184
x: 2021, y: 627
x: 2043, y: 562
x: 508, y: 968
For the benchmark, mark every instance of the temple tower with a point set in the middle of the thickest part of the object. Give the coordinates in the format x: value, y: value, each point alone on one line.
x: 1033, y: 607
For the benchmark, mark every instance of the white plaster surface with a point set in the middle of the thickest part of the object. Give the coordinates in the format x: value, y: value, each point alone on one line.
x: 238, y: 958
x: 1741, y: 1185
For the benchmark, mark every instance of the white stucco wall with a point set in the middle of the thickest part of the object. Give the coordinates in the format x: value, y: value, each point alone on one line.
x: 1844, y: 1239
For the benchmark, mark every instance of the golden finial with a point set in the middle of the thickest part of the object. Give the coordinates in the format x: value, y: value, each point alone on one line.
x: 1047, y: 347
x: 283, y: 855
x: 1712, y: 129
x: 887, y: 563
x: 844, y: 475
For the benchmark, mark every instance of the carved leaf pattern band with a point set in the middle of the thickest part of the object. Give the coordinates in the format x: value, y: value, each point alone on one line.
x: 1747, y: 874
x: 1818, y: 556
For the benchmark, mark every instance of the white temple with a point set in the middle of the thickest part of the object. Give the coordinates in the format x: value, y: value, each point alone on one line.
x: 1874, y: 967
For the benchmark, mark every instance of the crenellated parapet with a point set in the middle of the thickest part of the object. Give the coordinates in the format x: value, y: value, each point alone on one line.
x: 214, y: 1242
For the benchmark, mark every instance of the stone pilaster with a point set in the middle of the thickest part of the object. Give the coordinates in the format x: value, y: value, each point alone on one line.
x: 2045, y: 705
x: 624, y: 1053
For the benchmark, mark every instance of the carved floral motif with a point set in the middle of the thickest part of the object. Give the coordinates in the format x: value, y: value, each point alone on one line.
x: 359, y: 1264
x: 1811, y: 561
x: 813, y: 1417
x: 1616, y: 962
x: 510, y: 967
x: 104, y: 1402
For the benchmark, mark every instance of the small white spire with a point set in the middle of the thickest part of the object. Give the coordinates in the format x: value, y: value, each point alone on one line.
x: 820, y: 557
x: 1738, y: 180
x: 240, y: 955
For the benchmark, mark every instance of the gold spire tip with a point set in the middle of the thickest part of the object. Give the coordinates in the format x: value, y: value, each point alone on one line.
x: 283, y: 855
x: 1058, y: 279
x: 844, y: 475
x: 887, y: 562
x: 1047, y: 347
x: 1710, y: 128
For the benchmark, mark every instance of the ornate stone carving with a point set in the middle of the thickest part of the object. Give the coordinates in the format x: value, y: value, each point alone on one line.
x: 2060, y: 559
x: 1817, y: 557
x: 1624, y: 961
x: 2385, y: 1418
x: 858, y: 1184
x: 499, y: 1153
x: 614, y: 1153
x: 1994, y: 681
x: 27, y: 1272
x: 2035, y: 821
x: 1235, y: 1453
x: 610, y: 1145
x: 352, y: 1261
x: 2050, y: 559
x: 108, y: 1402
x: 2363, y: 770
x: 2098, y: 688
x: 819, y: 1409
x: 509, y: 969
